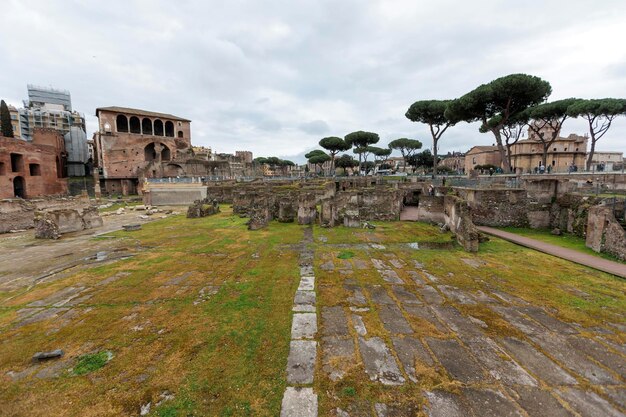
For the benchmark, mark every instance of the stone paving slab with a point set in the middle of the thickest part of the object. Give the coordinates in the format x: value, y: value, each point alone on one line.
x: 617, y: 395
x: 390, y: 276
x: 359, y: 326
x: 416, y: 277
x: 425, y: 313
x: 490, y: 403
x: 397, y: 263
x: 589, y: 404
x: 600, y: 353
x: 299, y: 402
x: 379, y: 363
x: 457, y: 360
x: 356, y: 298
x: 539, y: 403
x: 307, y: 283
x: 379, y: 295
x: 409, y: 350
x: 430, y: 295
x: 573, y: 359
x: 360, y: 264
x: 301, y: 361
x: 395, y: 410
x: 457, y: 322
x: 550, y: 322
x: 306, y: 270
x: 499, y: 365
x: 405, y: 296
x: 457, y: 295
x: 393, y: 320
x: 338, y: 355
x: 334, y: 321
x: 445, y: 404
x: 515, y: 318
x: 304, y: 326
x: 537, y: 363
x: 378, y: 264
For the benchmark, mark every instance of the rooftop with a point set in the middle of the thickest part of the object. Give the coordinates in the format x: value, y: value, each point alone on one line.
x: 139, y: 112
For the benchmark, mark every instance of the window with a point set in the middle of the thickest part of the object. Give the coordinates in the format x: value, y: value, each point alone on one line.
x: 169, y: 129
x: 473, y: 160
x: 122, y: 123
x: 180, y: 134
x: 158, y: 127
x: 35, y: 170
x: 554, y: 149
x: 2, y: 169
x: 134, y: 125
x: 17, y: 162
x: 146, y: 126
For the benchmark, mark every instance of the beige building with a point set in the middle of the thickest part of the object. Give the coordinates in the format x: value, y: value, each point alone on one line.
x: 454, y: 161
x: 607, y: 161
x: 482, y: 155
x: 15, y: 121
x: 563, y: 154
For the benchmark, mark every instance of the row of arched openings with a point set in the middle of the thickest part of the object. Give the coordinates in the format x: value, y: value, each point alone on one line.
x: 145, y: 126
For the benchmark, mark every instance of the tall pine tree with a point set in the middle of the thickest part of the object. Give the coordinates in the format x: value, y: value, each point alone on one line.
x: 6, y: 128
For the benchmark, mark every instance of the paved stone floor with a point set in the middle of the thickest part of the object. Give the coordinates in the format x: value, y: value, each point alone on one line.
x: 409, y: 325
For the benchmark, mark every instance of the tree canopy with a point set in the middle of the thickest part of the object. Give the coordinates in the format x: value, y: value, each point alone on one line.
x: 360, y: 140
x: 317, y: 157
x: 495, y: 103
x: 599, y: 114
x: 6, y: 128
x: 334, y: 145
x: 273, y: 161
x: 407, y: 147
x: 432, y: 113
x: 347, y: 161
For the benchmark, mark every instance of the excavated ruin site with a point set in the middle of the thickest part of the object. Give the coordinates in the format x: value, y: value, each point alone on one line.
x: 352, y: 297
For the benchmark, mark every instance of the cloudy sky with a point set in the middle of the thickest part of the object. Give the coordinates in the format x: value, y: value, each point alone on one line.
x: 275, y: 76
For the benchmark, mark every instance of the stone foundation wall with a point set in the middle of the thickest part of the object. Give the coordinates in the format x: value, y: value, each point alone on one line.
x: 604, y: 233
x: 51, y: 224
x: 431, y: 209
x: 457, y: 216
x: 16, y: 215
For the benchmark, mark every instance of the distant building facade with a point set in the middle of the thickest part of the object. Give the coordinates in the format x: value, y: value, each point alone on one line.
x: 607, y: 161
x: 564, y: 154
x: 33, y: 168
x: 132, y: 144
x: 245, y: 156
x: 482, y: 155
x: 454, y: 161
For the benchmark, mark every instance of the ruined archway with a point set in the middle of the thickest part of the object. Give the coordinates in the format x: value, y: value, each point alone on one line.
x: 158, y: 127
x: 122, y: 123
x: 149, y: 152
x: 173, y: 170
x: 19, y: 187
x: 166, y: 154
x: 146, y: 126
x: 134, y: 125
x: 169, y: 129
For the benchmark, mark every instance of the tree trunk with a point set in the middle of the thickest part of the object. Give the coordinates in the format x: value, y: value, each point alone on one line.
x: 435, y: 157
x: 544, y: 156
x: 591, y: 151
x: 503, y: 157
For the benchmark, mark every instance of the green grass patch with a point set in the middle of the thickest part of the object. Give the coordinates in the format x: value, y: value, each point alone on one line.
x: 346, y: 254
x: 91, y: 362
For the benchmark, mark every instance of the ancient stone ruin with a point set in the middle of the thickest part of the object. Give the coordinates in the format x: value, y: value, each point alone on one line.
x: 203, y: 208
x: 51, y: 224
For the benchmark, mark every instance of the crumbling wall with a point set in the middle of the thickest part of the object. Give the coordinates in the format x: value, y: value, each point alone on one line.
x: 458, y: 218
x: 203, y: 208
x: 16, y: 215
x: 51, y: 224
x: 498, y: 207
x: 431, y: 209
x: 604, y: 233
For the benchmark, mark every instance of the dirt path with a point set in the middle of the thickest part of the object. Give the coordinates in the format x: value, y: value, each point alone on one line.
x: 595, y: 262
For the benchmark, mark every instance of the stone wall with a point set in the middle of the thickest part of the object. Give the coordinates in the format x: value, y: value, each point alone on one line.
x: 16, y: 215
x: 431, y: 209
x: 51, y: 224
x: 499, y: 207
x: 604, y: 233
x: 457, y: 216
x: 173, y: 194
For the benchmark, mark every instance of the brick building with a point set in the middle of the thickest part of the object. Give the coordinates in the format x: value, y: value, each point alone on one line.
x: 35, y: 168
x: 133, y: 144
x: 482, y: 155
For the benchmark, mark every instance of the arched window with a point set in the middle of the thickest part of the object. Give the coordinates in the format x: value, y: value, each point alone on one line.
x: 166, y: 155
x: 158, y: 127
x: 122, y: 123
x: 149, y: 152
x: 134, y: 125
x: 180, y: 134
x: 169, y: 129
x: 146, y: 126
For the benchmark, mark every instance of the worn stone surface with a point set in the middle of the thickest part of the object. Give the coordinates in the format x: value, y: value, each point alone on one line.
x: 457, y: 322
x: 299, y: 402
x: 301, y: 361
x: 390, y: 276
x: 589, y: 404
x: 379, y: 363
x: 537, y: 363
x: 359, y: 326
x: 539, y: 403
x: 334, y: 321
x: 356, y: 297
x: 409, y: 350
x: 425, y: 313
x: 490, y: 403
x: 378, y: 264
x: 307, y: 283
x: 548, y: 321
x: 457, y: 295
x: 379, y: 295
x: 444, y: 404
x: 456, y: 360
x: 396, y: 410
x: 304, y: 326
x: 393, y: 320
x: 430, y: 295
x: 405, y: 297
x: 600, y: 353
x: 499, y: 365
x: 337, y: 356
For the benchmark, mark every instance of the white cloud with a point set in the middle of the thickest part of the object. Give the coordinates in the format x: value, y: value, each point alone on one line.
x: 274, y: 77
